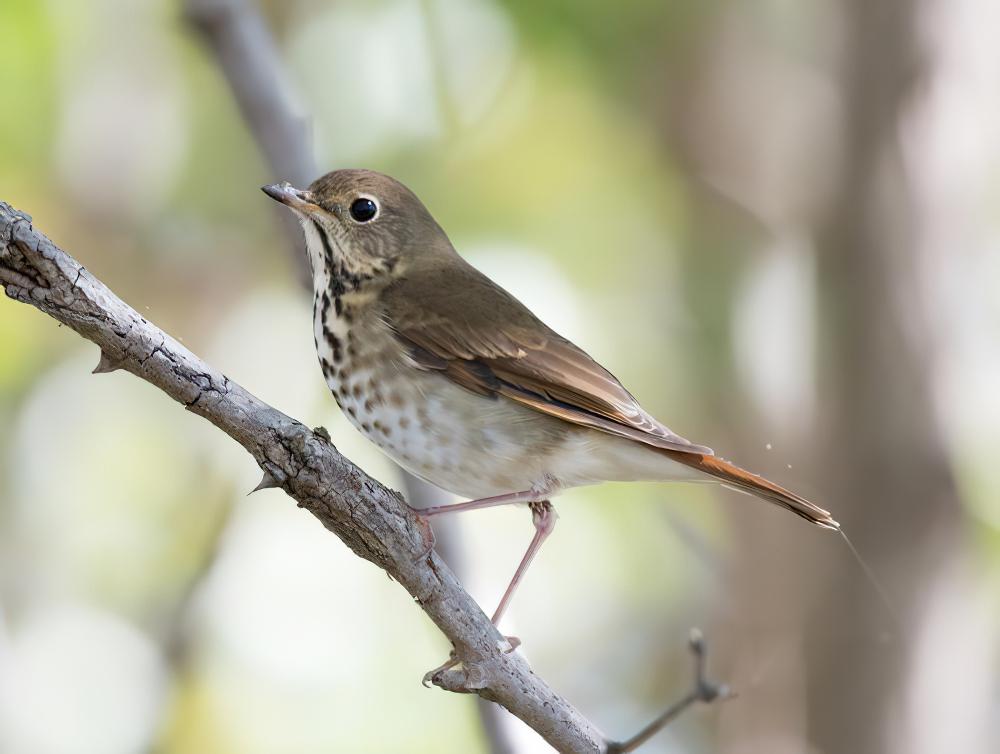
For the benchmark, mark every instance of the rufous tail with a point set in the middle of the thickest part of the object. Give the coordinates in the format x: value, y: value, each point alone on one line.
x: 744, y: 481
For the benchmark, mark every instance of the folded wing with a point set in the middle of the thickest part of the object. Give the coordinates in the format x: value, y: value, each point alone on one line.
x: 497, y: 347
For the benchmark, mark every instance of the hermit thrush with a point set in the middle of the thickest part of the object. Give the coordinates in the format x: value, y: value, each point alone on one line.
x: 458, y: 382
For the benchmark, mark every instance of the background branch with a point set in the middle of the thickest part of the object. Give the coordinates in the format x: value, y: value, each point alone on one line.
x: 246, y: 54
x: 243, y: 48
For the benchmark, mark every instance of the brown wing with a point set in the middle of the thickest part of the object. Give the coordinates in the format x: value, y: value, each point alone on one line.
x: 455, y: 320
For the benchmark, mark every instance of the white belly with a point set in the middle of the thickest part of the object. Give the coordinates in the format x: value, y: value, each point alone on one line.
x: 464, y: 443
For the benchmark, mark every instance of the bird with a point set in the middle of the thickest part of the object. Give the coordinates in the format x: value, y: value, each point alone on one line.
x: 459, y: 383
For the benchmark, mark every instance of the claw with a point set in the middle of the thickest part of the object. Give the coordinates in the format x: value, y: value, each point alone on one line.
x: 428, y: 679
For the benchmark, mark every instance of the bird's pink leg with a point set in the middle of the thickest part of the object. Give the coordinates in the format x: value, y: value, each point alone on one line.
x: 511, y: 498
x: 543, y: 516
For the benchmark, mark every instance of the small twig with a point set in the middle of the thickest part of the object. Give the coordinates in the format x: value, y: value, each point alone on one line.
x: 702, y: 691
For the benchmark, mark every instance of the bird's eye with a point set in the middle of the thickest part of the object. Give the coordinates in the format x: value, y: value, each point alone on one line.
x: 363, y: 209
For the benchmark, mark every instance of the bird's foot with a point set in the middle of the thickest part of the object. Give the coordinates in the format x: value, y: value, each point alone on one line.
x: 470, y: 676
x: 426, y: 533
x: 430, y: 675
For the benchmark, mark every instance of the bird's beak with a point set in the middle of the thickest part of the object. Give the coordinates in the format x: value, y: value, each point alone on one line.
x: 284, y: 192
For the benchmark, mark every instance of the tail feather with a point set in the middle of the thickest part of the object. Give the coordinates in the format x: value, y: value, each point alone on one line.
x: 744, y: 481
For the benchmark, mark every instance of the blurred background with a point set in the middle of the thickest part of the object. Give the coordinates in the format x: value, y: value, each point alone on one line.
x: 777, y: 222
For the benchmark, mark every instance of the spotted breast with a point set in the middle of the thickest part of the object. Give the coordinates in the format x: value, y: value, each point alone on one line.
x: 438, y: 431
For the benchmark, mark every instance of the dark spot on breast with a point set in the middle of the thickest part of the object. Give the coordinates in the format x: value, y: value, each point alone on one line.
x: 396, y: 400
x: 352, y: 412
x: 356, y: 391
x: 338, y: 306
x: 404, y: 421
x: 366, y: 427
x: 327, y: 250
x: 335, y: 345
x: 369, y: 405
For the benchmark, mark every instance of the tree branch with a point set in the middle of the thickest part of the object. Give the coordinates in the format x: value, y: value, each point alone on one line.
x: 369, y: 518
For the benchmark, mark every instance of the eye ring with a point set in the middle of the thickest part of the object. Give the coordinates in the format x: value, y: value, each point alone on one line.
x: 364, y: 209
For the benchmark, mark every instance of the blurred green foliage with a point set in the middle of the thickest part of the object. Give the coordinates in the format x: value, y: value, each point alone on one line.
x: 570, y: 148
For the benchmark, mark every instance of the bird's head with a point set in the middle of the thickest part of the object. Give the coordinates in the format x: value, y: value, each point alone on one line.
x: 362, y: 224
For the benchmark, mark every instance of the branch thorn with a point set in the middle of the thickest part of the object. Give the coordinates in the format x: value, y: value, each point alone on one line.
x: 267, y: 482
x: 107, y: 364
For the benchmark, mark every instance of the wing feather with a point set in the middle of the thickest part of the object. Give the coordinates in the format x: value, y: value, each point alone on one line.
x: 456, y: 321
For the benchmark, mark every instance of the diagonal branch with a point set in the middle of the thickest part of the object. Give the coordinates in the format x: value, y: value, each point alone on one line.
x: 369, y: 518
